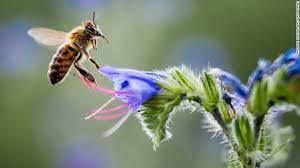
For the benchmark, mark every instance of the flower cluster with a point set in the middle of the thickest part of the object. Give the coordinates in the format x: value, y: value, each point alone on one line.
x: 243, y: 114
x: 272, y: 90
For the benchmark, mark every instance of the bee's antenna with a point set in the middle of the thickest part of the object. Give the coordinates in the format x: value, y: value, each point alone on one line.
x: 94, y: 16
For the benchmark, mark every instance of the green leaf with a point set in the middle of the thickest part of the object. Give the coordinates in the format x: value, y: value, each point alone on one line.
x: 155, y: 120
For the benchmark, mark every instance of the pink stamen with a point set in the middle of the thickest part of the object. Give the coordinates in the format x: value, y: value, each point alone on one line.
x: 100, y: 109
x: 117, y: 125
x: 110, y: 110
x: 104, y: 90
x: 110, y: 117
x: 94, y: 86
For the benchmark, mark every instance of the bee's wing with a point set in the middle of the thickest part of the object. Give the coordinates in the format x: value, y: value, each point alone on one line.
x: 47, y: 36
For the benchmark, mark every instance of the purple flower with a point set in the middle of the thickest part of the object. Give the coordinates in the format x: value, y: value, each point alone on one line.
x: 286, y: 58
x: 140, y: 86
x: 131, y: 87
x: 265, y: 67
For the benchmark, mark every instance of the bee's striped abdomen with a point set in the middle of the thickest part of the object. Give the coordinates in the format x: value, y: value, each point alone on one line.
x: 61, y: 63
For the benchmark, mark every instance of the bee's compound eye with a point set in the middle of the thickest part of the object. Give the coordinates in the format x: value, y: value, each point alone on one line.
x: 88, y: 27
x: 91, y: 29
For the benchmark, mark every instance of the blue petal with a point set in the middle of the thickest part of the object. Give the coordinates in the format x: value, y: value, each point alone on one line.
x: 233, y: 82
x: 286, y: 58
x: 294, y: 69
x: 290, y: 55
x: 264, y: 67
x: 140, y: 85
x: 258, y: 73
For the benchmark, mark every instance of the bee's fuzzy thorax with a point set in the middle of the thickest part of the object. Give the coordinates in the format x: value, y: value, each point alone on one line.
x: 78, y: 35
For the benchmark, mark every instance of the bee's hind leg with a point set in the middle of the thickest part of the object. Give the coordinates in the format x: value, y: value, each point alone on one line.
x: 87, y: 76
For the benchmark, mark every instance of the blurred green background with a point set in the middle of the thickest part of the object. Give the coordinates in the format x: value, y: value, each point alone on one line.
x: 43, y: 126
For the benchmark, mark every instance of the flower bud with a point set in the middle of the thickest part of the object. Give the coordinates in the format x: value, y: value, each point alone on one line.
x: 244, y: 133
x: 211, y: 96
x: 258, y: 100
x: 278, y: 86
x: 226, y: 111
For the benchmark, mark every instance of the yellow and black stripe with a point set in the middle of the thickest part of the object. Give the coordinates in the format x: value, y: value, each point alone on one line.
x: 61, y: 63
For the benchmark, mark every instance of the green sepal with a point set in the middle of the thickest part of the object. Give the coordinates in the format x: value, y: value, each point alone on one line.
x: 226, y: 111
x: 211, y: 95
x: 244, y: 133
x: 258, y: 100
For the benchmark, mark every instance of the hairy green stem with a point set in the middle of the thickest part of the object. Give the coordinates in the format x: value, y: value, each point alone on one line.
x: 217, y: 116
x: 258, y: 123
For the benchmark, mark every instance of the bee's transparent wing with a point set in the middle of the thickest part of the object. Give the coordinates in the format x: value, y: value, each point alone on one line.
x: 47, y: 36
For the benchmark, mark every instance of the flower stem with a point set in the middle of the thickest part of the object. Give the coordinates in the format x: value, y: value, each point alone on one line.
x: 258, y: 122
x: 217, y: 116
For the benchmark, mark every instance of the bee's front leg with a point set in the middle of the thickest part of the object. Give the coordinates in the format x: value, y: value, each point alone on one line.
x: 84, y: 52
x: 94, y: 42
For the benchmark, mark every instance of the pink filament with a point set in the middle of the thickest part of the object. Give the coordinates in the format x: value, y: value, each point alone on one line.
x: 99, y: 88
x: 119, y: 107
x: 104, y: 90
x: 94, y: 86
x: 111, y: 117
x: 110, y: 110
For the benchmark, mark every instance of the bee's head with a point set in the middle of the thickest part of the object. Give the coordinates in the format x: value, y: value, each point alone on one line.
x: 92, y: 29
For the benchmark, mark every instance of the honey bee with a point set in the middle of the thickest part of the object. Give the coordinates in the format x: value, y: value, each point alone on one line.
x: 73, y: 48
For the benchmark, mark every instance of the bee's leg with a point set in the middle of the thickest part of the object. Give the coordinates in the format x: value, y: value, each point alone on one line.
x: 83, y: 72
x: 84, y: 52
x: 94, y: 62
x: 94, y: 44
